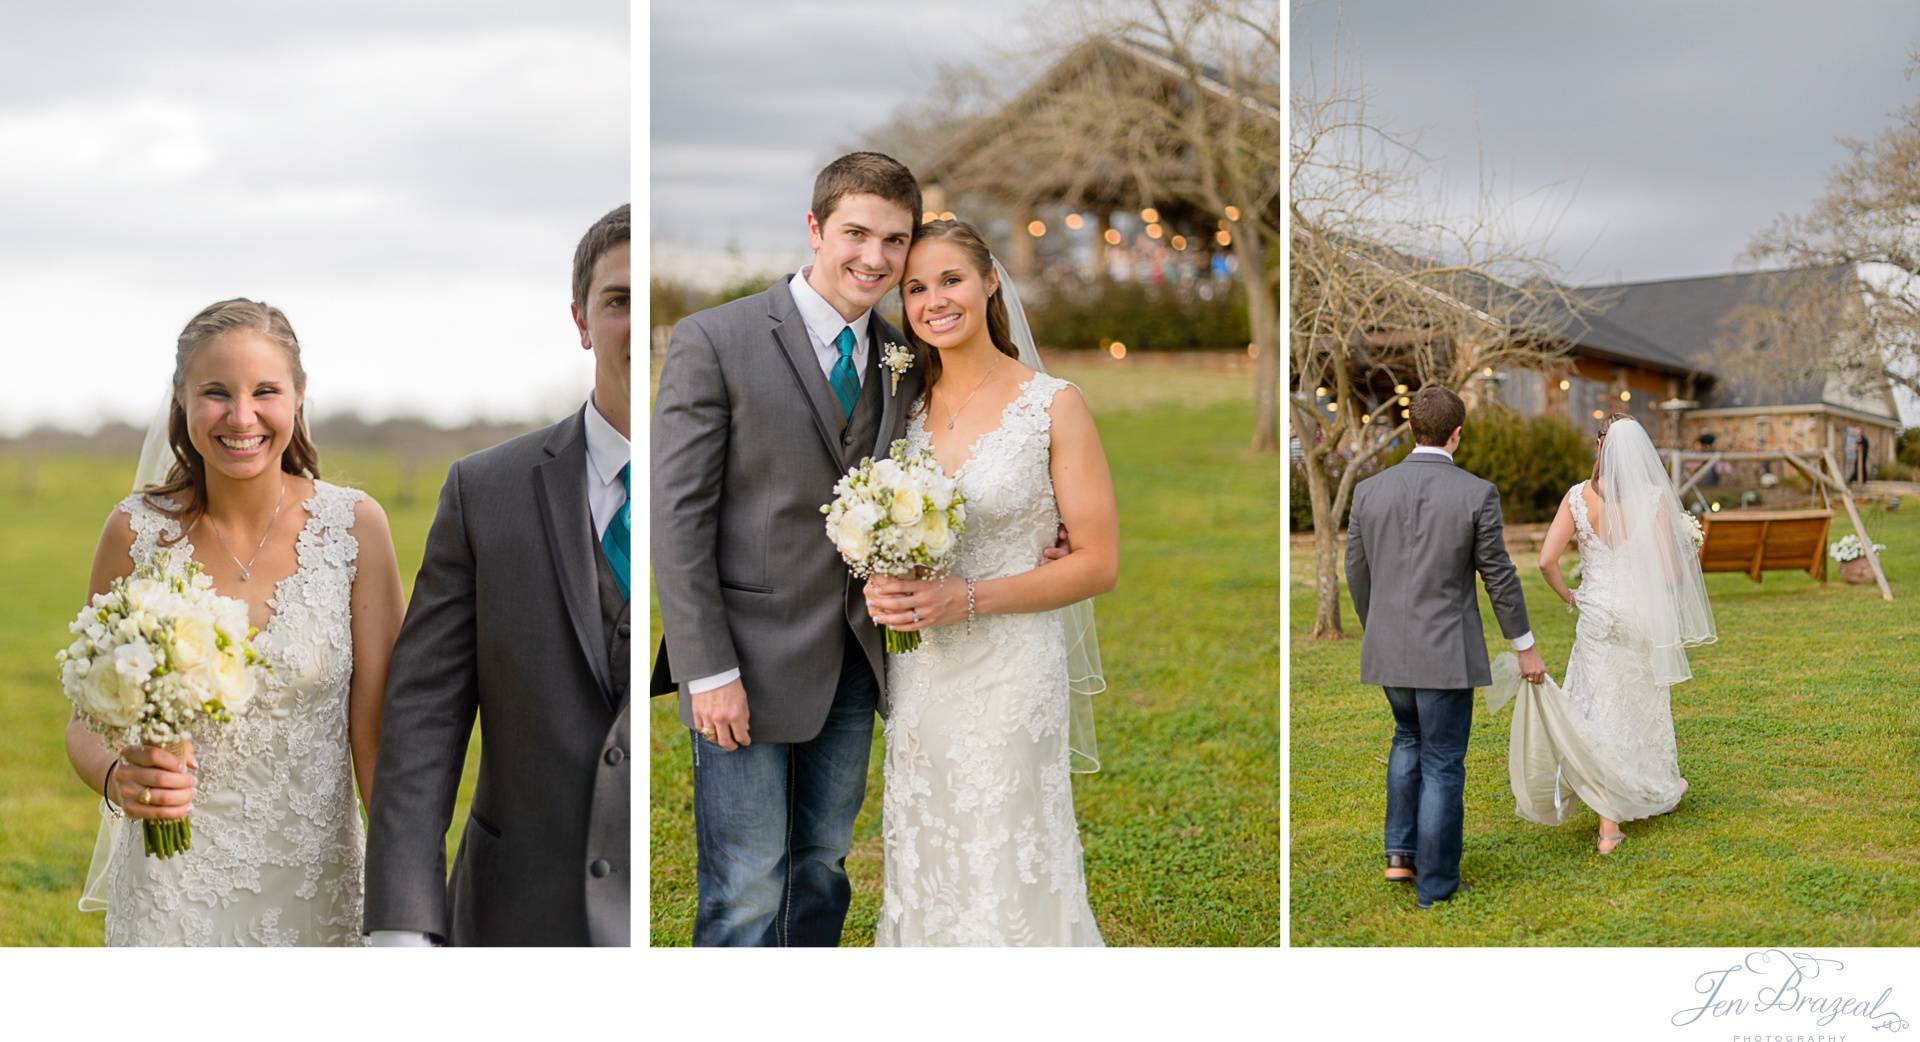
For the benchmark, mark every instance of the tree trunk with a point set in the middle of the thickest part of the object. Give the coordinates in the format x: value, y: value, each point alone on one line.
x: 1326, y: 542
x: 1263, y: 318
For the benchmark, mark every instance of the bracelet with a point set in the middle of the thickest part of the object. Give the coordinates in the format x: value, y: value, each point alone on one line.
x: 970, y: 604
x: 106, y: 786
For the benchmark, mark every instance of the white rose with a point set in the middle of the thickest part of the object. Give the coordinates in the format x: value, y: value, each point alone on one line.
x: 940, y: 491
x: 99, y: 694
x: 234, y: 682
x: 888, y: 474
x: 906, y: 505
x: 194, y: 641
x: 852, y: 538
x: 935, y: 535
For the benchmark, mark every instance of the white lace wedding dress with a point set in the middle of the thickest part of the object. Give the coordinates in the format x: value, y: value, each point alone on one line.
x: 977, y: 820
x: 278, y: 845
x: 1610, y: 739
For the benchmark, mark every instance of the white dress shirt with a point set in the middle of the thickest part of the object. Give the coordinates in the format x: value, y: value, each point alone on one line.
x: 824, y: 325
x: 1524, y: 640
x: 607, y: 451
x: 823, y: 328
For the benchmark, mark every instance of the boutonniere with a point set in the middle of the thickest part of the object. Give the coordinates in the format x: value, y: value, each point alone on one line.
x: 898, y: 360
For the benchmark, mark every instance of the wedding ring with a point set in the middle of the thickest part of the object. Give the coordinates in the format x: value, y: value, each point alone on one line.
x: 146, y: 795
x: 707, y: 733
x: 916, y: 616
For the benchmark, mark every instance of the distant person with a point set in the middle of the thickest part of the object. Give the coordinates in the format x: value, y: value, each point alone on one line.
x: 520, y: 616
x: 230, y: 480
x: 1607, y: 736
x: 1713, y: 469
x: 1418, y: 533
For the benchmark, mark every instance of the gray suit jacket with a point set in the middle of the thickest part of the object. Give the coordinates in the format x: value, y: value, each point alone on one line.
x: 1417, y: 534
x: 505, y: 622
x: 747, y: 443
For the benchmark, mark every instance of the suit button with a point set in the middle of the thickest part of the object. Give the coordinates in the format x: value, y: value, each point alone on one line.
x: 599, y: 868
x: 614, y: 756
x: 847, y: 438
x: 626, y: 630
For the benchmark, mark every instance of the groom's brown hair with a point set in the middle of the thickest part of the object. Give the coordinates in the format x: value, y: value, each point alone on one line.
x: 869, y: 173
x: 606, y: 233
x: 1436, y: 412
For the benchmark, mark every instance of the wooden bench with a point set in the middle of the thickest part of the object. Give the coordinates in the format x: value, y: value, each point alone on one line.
x: 1756, y: 541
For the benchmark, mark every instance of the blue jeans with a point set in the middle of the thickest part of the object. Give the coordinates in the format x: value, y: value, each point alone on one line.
x: 1426, y: 777
x: 774, y: 822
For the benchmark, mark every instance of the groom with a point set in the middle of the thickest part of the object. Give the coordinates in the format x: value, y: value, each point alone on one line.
x: 1425, y: 527
x: 764, y: 403
x: 520, y: 614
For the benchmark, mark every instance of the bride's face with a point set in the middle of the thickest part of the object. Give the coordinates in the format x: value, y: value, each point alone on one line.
x: 945, y: 295
x: 240, y: 403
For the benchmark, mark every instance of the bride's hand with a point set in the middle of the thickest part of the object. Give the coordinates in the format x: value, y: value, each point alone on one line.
x: 905, y: 605
x: 160, y: 776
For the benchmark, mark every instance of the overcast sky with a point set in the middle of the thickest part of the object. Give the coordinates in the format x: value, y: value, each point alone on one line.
x: 407, y: 181
x: 1673, y: 130
x: 749, y: 100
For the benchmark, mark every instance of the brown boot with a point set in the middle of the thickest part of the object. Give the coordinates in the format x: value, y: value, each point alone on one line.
x: 1399, y: 868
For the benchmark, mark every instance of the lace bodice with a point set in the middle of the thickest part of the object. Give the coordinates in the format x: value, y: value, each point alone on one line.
x: 277, y: 840
x: 979, y: 834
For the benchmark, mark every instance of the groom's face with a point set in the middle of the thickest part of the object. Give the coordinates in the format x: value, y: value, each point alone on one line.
x: 859, y: 251
x: 605, y: 325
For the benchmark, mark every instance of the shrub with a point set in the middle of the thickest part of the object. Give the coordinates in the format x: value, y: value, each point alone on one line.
x: 1077, y: 314
x: 1908, y: 447
x: 1533, y: 460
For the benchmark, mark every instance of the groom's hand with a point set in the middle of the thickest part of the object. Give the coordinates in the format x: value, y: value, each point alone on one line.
x: 1531, y: 665
x: 1061, y: 547
x: 720, y: 715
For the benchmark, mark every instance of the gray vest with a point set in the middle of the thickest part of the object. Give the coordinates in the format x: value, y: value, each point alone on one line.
x: 857, y: 435
x: 614, y: 627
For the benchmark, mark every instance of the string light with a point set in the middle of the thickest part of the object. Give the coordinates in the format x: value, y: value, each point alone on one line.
x: 1564, y: 384
x: 1154, y: 231
x: 1149, y: 215
x: 1112, y: 237
x: 1400, y: 389
x: 1223, y: 238
x: 1179, y: 242
x: 1233, y: 213
x: 1117, y: 349
x: 1037, y: 229
x: 1074, y: 221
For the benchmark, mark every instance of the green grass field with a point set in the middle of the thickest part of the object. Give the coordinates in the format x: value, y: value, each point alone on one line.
x: 1181, y: 825
x: 1799, y: 735
x: 50, y: 520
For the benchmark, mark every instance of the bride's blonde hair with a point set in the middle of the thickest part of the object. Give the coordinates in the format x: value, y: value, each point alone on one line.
x: 1601, y: 440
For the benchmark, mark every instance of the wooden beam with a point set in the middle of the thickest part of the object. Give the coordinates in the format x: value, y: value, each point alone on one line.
x: 1697, y: 475
x: 1859, y: 529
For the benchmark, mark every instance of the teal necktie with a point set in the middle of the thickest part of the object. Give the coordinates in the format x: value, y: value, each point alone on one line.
x: 617, y: 541
x: 846, y: 382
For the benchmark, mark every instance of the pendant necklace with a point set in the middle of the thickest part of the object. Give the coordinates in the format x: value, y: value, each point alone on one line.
x: 246, y: 570
x: 954, y: 414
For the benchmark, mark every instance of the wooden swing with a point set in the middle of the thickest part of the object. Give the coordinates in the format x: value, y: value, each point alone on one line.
x: 1757, y: 541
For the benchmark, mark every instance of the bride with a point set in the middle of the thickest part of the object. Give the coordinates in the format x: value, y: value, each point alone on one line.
x: 230, y: 479
x: 990, y: 715
x: 1608, y: 735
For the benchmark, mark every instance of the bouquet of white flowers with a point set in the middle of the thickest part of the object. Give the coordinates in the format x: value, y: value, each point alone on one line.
x: 152, y: 659
x: 896, y: 516
x: 1691, y: 526
x: 1848, y: 548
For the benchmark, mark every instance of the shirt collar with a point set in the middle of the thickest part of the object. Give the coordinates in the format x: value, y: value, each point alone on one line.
x: 607, y: 449
x: 822, y: 320
x: 1437, y: 450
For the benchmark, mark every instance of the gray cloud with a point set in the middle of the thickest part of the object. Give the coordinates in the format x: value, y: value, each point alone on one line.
x: 1674, y: 131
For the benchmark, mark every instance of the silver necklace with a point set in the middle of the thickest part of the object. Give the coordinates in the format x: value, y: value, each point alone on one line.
x: 954, y: 414
x: 246, y: 570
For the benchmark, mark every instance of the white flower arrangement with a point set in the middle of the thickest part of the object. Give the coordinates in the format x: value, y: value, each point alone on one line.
x: 1848, y: 548
x: 896, y: 516
x: 153, y: 659
x: 1690, y: 526
x: 897, y: 359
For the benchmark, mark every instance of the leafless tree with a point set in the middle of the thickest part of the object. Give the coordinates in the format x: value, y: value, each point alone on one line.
x: 1167, y: 102
x: 1391, y: 290
x: 1862, y: 324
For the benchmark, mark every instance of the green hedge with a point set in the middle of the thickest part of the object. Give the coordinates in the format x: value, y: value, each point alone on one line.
x: 1075, y: 314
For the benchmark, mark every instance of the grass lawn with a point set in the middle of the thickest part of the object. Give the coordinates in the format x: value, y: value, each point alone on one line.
x: 48, y: 530
x: 1181, y: 825
x: 1799, y: 735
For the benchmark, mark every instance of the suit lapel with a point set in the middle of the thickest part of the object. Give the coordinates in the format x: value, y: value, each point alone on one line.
x: 561, y: 490
x: 893, y: 412
x: 790, y: 331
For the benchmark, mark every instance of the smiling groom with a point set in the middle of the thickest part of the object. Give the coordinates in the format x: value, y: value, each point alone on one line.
x: 764, y: 403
